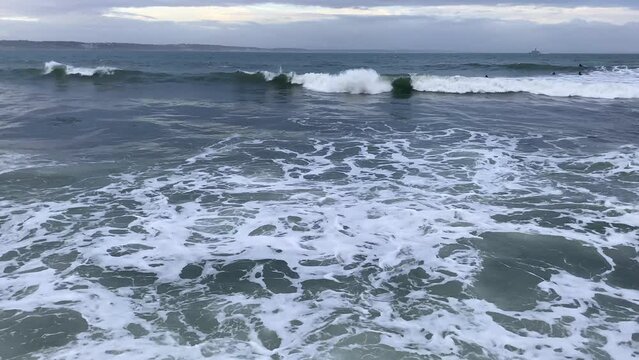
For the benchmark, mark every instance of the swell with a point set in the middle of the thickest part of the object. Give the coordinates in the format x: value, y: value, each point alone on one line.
x: 63, y: 72
x: 606, y: 83
x: 614, y: 83
x: 60, y: 73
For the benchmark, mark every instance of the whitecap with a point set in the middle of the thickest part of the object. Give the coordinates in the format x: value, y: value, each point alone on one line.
x: 618, y: 83
x: 51, y: 66
x: 353, y: 81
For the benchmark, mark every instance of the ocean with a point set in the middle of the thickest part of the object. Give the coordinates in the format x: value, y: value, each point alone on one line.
x: 191, y: 205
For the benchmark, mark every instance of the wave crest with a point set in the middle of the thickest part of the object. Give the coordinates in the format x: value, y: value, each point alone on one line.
x: 604, y: 83
x: 598, y: 84
x: 616, y: 83
x: 54, y: 67
x: 354, y: 81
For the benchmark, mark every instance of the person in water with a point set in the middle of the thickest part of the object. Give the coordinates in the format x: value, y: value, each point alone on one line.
x: 580, y: 73
x: 554, y: 73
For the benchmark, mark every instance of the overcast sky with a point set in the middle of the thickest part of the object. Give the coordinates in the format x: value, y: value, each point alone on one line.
x: 456, y: 25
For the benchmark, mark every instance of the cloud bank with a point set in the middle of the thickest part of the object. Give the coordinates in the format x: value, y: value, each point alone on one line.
x: 447, y: 25
x: 279, y: 13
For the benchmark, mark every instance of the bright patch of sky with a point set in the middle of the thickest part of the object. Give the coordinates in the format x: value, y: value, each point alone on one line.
x: 274, y: 13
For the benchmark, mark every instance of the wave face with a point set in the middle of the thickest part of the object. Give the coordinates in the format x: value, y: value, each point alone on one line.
x: 602, y: 83
x: 54, y: 67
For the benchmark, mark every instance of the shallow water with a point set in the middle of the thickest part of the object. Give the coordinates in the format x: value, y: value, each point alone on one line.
x: 178, y: 209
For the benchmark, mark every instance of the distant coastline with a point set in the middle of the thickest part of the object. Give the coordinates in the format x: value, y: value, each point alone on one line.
x: 76, y: 45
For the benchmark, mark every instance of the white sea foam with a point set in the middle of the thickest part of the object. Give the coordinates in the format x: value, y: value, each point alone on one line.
x: 52, y: 66
x: 620, y: 83
x: 403, y: 202
x: 354, y: 81
x: 269, y: 75
x: 10, y: 162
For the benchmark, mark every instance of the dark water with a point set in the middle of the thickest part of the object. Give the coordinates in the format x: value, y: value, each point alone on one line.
x: 304, y: 206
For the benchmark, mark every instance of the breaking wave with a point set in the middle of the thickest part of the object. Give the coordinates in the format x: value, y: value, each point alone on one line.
x: 618, y: 83
x: 356, y: 81
x: 353, y: 81
x: 53, y: 67
x: 598, y: 84
x: 602, y: 83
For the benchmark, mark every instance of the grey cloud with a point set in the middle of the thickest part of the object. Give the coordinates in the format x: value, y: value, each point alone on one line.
x: 349, y: 33
x: 80, y: 20
x: 47, y: 7
x: 466, y: 36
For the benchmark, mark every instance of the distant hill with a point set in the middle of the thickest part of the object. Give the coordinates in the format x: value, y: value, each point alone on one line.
x: 74, y: 45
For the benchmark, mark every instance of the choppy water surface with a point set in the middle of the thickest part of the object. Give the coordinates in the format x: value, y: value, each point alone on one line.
x: 184, y: 206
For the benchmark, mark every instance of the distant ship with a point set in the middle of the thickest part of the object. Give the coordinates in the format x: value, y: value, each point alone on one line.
x: 535, y: 52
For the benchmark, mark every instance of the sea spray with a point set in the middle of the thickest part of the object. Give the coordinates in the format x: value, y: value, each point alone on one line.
x: 354, y: 81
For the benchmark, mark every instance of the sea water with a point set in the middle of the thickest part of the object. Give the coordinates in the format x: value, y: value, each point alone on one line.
x: 187, y: 205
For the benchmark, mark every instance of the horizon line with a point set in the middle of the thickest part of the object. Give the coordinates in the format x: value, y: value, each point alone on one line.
x: 240, y: 48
